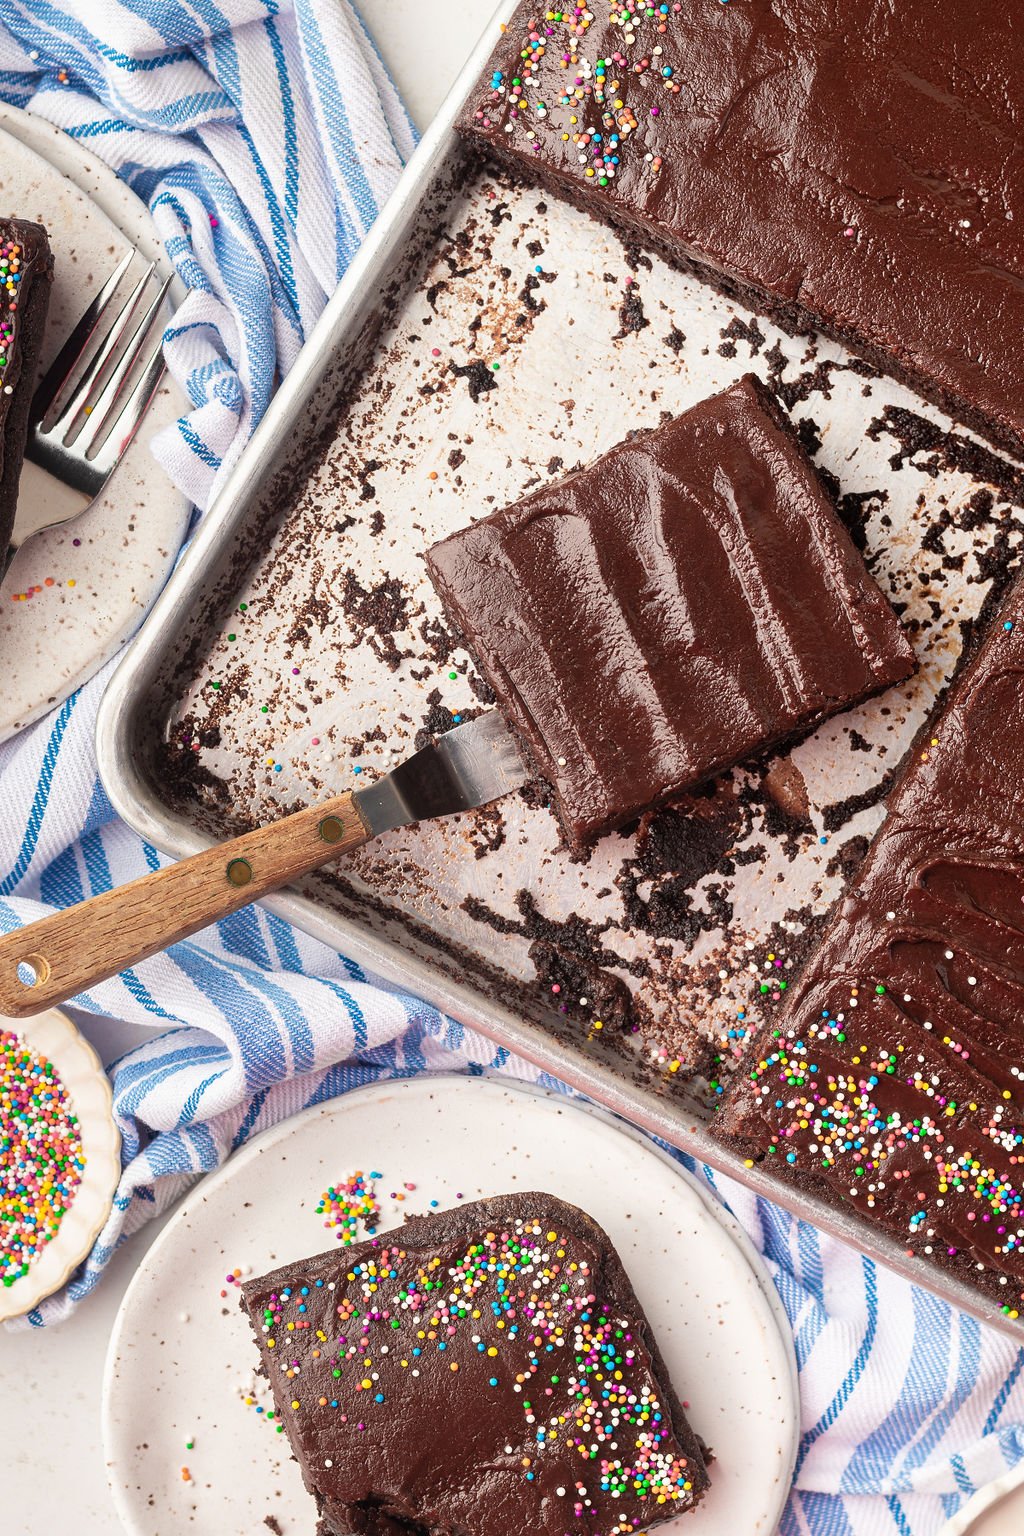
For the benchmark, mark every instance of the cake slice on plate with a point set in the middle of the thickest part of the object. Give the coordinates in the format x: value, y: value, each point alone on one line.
x: 486, y: 1370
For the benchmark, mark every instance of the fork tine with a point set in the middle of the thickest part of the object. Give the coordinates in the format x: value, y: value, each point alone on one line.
x: 106, y: 410
x: 83, y: 395
x: 129, y: 414
x: 63, y: 365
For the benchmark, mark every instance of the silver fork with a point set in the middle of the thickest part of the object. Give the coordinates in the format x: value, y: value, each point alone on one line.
x: 84, y: 417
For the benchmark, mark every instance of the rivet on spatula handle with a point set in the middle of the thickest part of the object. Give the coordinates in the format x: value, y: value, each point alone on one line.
x: 63, y: 955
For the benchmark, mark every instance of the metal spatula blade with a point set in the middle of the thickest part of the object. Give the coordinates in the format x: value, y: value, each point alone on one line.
x: 50, y: 961
x: 472, y: 765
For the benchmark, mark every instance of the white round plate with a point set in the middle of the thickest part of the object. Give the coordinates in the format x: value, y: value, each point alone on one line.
x: 182, y: 1359
x: 93, y: 593
x: 996, y: 1510
x: 54, y: 1036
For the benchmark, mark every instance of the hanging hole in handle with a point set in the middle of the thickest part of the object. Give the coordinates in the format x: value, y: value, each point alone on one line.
x: 33, y: 970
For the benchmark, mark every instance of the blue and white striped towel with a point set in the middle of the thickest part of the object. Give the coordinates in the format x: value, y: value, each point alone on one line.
x: 231, y: 112
x: 264, y: 135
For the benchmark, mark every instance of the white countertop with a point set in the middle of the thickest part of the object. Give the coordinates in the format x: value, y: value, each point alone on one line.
x: 50, y: 1382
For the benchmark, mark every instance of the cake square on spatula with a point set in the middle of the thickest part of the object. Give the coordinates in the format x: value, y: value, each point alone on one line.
x: 686, y: 602
x: 486, y: 1370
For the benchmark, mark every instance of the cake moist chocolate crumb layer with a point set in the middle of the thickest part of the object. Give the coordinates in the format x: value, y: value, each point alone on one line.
x: 486, y: 1370
x: 686, y: 602
x: 895, y: 1079
x: 844, y: 164
x: 26, y: 278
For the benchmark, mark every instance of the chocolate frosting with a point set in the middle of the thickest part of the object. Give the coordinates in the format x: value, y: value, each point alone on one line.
x: 486, y: 1370
x: 687, y: 601
x: 895, y: 1080
x: 26, y: 278
x: 837, y: 162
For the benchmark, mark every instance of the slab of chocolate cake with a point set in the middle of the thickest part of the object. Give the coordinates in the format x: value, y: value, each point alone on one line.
x: 26, y: 278
x: 486, y: 1370
x: 686, y: 602
x: 845, y: 165
x: 895, y: 1079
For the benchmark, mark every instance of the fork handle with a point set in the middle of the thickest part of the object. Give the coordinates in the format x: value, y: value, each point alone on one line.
x: 74, y: 950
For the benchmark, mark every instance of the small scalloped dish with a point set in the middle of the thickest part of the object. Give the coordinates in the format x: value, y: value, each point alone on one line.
x: 56, y: 1039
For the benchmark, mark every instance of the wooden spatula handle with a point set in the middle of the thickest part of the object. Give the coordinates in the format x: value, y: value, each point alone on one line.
x: 52, y: 960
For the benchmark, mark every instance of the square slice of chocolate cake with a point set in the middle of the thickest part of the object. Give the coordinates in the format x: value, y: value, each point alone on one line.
x: 686, y: 602
x: 894, y: 1081
x: 845, y: 165
x: 456, y: 1375
x: 26, y: 278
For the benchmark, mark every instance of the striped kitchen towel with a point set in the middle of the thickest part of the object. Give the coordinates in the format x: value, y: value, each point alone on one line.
x: 264, y: 135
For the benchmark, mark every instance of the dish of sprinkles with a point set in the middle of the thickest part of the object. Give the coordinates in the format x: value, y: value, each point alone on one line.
x: 10, y: 279
x: 41, y: 1156
x: 347, y: 1204
x: 512, y: 1314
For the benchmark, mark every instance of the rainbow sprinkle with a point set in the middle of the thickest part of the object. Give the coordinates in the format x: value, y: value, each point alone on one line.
x: 41, y: 1156
x: 348, y: 1203
x: 10, y: 278
x: 589, y: 97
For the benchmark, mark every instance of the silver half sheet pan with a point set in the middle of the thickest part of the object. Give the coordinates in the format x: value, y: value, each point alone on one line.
x: 487, y: 339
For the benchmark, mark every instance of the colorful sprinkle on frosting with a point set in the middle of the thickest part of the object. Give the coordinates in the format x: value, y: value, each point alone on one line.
x: 879, y: 1119
x: 10, y: 280
x: 591, y: 103
x: 41, y: 1156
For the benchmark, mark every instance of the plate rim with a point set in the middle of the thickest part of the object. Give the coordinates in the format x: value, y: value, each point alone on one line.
x: 59, y: 1038
x: 73, y: 160
x: 210, y: 1183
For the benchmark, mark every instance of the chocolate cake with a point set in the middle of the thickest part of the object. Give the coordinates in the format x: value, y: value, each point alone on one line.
x: 847, y: 166
x: 895, y: 1080
x: 486, y: 1370
x: 26, y: 277
x: 684, y: 603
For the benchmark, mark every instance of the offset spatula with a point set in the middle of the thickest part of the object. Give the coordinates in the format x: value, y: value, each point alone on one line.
x: 52, y: 960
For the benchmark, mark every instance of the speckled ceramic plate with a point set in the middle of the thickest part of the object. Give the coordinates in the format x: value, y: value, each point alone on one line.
x: 55, y: 1037
x: 182, y: 1359
x: 92, y: 581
